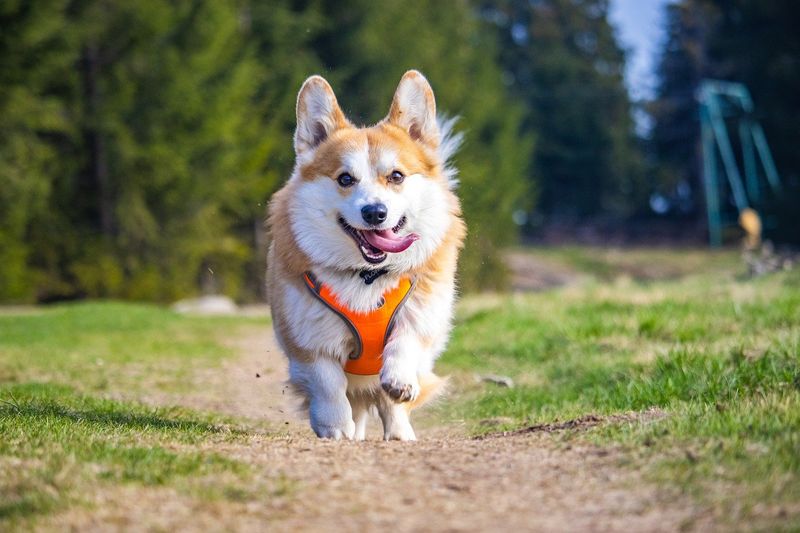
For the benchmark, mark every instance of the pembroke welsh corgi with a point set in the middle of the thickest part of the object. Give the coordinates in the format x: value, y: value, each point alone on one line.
x: 364, y: 239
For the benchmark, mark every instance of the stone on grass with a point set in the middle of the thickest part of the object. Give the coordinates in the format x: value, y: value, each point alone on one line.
x: 206, y: 305
x: 501, y: 381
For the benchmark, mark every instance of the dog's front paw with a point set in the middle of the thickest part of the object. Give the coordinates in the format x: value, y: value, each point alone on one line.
x: 402, y: 432
x: 399, y: 389
x: 334, y: 432
x: 332, y: 419
x: 400, y: 392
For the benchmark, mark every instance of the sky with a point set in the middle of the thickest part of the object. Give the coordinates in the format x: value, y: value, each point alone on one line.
x: 639, y: 30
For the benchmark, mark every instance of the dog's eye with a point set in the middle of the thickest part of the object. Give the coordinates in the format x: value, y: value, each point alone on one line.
x: 396, y: 177
x: 345, y: 180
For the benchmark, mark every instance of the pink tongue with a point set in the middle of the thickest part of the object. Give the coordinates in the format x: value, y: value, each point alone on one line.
x: 388, y: 241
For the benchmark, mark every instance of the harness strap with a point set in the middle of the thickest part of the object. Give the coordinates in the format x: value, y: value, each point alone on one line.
x: 370, y: 330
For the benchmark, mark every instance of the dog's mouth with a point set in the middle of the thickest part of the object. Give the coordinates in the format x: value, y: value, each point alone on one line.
x: 375, y: 244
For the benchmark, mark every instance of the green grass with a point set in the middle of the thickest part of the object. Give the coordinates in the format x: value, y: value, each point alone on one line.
x: 87, y: 345
x: 640, y: 264
x: 59, y: 439
x: 718, y: 354
x: 62, y: 437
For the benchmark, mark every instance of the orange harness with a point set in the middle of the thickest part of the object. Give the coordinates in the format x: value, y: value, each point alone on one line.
x: 371, y: 330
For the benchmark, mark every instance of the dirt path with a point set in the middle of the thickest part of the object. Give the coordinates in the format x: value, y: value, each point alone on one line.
x: 251, y: 386
x: 444, y: 482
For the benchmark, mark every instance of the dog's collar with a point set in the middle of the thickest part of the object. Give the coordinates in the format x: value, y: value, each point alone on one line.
x: 371, y: 274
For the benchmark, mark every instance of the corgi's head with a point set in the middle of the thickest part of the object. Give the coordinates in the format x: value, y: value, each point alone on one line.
x: 376, y: 197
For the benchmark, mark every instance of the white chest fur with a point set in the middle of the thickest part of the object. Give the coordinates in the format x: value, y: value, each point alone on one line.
x: 313, y: 326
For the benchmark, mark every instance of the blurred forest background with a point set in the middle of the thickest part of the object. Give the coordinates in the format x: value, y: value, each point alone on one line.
x: 140, y: 141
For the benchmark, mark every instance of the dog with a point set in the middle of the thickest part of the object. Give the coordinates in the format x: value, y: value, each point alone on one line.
x: 364, y: 241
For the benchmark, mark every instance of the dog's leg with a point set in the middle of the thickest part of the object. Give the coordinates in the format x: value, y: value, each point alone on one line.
x: 400, y: 365
x: 362, y: 392
x: 396, y: 422
x: 360, y: 417
x: 325, y: 384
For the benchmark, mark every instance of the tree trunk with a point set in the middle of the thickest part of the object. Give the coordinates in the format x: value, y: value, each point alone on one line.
x: 98, y: 160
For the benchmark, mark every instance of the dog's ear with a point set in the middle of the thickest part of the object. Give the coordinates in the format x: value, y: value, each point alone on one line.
x: 318, y: 115
x: 414, y: 109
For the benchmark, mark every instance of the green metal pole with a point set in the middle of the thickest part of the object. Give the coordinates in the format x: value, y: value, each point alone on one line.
x: 726, y: 151
x: 766, y: 158
x: 710, y: 176
x: 712, y: 96
x: 761, y: 142
x: 749, y: 157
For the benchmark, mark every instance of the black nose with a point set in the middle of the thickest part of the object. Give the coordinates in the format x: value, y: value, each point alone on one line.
x: 374, y: 213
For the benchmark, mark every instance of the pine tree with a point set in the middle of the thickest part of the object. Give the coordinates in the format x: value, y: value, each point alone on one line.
x: 35, y: 60
x: 675, y: 136
x: 162, y: 99
x: 562, y: 60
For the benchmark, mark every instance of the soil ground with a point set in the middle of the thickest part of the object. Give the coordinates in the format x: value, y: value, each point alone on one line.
x: 447, y: 481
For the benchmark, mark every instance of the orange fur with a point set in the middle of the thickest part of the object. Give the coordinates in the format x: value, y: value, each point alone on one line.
x: 431, y: 387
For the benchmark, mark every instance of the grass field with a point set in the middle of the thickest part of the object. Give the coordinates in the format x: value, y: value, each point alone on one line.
x: 672, y: 358
x: 714, y: 356
x: 70, y: 377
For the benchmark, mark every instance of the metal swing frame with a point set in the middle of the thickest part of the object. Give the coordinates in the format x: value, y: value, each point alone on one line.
x: 720, y: 100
